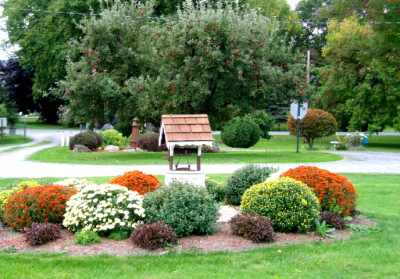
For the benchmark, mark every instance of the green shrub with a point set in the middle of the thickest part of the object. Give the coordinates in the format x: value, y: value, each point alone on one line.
x: 240, y: 132
x: 216, y: 189
x: 253, y: 226
x: 89, y: 139
x: 264, y: 120
x: 113, y: 137
x: 124, y: 127
x: 244, y: 178
x: 187, y: 209
x: 87, y: 237
x: 153, y: 236
x: 291, y: 204
x: 118, y: 235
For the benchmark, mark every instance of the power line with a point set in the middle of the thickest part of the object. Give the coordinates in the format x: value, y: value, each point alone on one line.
x: 214, y: 20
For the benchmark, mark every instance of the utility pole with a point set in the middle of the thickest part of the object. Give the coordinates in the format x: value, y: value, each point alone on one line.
x: 308, y: 66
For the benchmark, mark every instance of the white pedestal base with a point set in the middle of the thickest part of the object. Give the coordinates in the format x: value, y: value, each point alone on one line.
x: 197, y: 178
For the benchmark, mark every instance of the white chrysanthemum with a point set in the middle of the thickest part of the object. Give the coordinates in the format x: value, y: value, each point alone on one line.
x: 103, y: 208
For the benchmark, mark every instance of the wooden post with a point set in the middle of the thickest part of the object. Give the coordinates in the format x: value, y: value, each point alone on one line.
x: 198, y: 157
x: 171, y: 157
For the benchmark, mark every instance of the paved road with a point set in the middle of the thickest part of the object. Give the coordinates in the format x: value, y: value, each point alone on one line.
x: 14, y: 164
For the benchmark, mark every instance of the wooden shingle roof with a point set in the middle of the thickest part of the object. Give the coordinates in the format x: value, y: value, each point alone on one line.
x: 185, y: 128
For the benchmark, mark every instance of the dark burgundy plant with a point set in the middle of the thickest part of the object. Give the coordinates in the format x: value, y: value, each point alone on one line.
x: 332, y: 219
x: 255, y: 227
x: 152, y: 236
x: 40, y: 233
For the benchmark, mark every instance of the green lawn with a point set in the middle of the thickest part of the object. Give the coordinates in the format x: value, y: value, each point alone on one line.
x: 13, y: 140
x: 364, y: 255
x: 39, y: 124
x: 280, y: 149
x: 12, y: 149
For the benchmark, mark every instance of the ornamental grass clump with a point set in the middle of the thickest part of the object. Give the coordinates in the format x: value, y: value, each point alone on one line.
x: 37, y: 204
x: 137, y: 181
x: 335, y: 192
x: 291, y: 204
x: 104, y: 209
x: 187, y: 209
x: 244, y: 178
x: 253, y: 226
x: 6, y: 194
x: 40, y: 233
x: 153, y: 236
x: 78, y: 184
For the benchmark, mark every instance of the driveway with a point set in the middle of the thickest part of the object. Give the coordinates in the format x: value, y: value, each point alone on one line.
x: 14, y: 164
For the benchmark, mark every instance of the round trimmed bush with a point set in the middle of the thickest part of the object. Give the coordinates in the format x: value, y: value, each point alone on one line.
x: 149, y: 142
x: 153, y: 236
x: 187, y: 209
x: 335, y: 192
x: 37, y: 204
x: 240, y: 132
x: 316, y: 124
x: 244, y: 178
x: 90, y: 139
x: 6, y: 194
x: 253, y: 226
x: 291, y: 204
x: 264, y: 120
x: 137, y: 181
x: 104, y: 209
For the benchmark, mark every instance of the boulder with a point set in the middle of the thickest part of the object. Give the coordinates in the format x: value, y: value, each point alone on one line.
x: 107, y: 127
x: 80, y: 148
x: 111, y: 148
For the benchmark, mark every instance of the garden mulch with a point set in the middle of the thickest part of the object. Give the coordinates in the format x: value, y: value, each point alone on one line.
x: 223, y: 240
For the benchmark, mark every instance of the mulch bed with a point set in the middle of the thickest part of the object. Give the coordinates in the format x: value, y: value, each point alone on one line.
x: 223, y: 240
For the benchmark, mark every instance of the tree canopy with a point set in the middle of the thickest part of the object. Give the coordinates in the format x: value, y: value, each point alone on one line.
x: 217, y: 60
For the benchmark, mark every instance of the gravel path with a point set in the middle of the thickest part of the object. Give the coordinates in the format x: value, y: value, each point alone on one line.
x: 13, y: 164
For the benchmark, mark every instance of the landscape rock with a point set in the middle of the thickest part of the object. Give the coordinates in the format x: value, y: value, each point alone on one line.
x: 80, y: 148
x: 111, y: 148
x: 107, y: 127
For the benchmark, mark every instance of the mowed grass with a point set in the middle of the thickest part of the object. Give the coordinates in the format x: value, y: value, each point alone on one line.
x: 7, y: 140
x: 32, y: 123
x: 364, y: 255
x: 280, y: 149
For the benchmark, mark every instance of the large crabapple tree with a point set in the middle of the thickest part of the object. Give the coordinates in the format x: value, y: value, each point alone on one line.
x: 218, y: 60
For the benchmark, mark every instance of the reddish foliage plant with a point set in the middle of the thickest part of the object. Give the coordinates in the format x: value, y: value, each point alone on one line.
x: 137, y: 181
x: 316, y: 124
x: 37, y: 204
x: 335, y: 192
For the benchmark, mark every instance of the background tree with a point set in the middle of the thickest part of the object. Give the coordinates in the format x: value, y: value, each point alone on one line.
x: 360, y: 84
x: 218, y: 60
x: 316, y: 124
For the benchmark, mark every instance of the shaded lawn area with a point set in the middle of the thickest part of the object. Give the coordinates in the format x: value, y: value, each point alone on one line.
x: 40, y: 124
x: 13, y: 140
x: 364, y: 255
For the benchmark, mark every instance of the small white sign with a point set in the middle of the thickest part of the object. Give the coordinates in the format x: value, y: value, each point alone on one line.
x: 3, y: 122
x: 294, y: 109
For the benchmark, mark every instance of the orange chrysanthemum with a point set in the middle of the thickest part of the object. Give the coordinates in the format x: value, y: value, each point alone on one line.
x: 137, y: 181
x: 332, y: 189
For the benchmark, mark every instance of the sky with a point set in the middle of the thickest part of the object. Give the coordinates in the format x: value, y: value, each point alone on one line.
x: 6, y: 53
